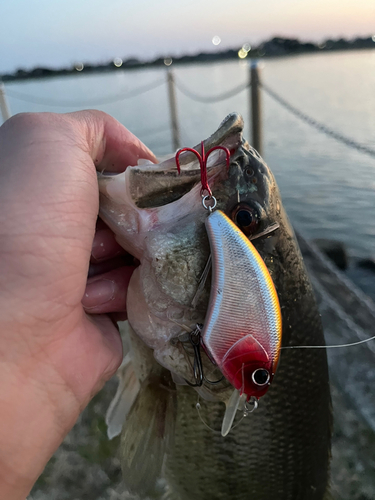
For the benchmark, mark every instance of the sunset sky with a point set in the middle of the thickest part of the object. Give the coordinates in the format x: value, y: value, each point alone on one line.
x: 59, y: 33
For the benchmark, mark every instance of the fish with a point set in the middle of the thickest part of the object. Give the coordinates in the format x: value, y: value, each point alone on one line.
x: 171, y: 434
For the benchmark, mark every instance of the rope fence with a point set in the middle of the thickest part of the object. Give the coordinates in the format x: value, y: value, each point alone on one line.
x: 254, y: 81
x: 79, y: 104
x: 150, y: 131
x: 210, y: 99
x: 318, y: 125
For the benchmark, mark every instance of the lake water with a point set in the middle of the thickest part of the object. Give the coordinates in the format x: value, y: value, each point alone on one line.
x: 328, y: 189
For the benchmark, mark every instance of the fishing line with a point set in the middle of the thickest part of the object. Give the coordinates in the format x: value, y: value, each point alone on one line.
x: 328, y: 346
x: 245, y: 413
x: 198, y: 407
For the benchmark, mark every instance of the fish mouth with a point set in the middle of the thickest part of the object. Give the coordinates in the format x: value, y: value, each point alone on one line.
x: 154, y: 185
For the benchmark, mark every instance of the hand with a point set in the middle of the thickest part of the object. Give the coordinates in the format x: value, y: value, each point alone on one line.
x: 53, y: 356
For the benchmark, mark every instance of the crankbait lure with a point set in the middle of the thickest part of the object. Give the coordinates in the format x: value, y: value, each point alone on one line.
x: 242, y: 329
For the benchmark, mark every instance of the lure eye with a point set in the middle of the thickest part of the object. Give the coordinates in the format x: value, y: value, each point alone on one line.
x: 261, y: 377
x: 246, y: 218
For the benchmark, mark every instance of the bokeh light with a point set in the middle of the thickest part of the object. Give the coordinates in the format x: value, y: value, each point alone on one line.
x: 117, y: 61
x: 216, y: 40
x: 242, y: 54
x: 168, y: 61
x: 79, y: 66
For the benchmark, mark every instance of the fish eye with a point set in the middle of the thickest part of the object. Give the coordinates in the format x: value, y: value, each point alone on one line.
x: 246, y: 218
x: 261, y: 376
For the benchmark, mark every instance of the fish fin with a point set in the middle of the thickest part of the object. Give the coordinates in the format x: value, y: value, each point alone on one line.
x: 124, y: 328
x: 147, y: 434
x: 127, y: 391
x: 230, y: 412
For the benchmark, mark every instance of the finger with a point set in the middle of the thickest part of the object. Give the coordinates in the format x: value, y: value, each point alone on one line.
x: 107, y: 293
x: 105, y: 246
x: 111, y: 146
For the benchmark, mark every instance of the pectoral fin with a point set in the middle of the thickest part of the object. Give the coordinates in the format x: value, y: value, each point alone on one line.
x: 127, y: 391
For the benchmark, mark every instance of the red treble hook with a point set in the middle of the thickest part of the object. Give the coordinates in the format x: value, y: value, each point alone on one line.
x: 202, y: 158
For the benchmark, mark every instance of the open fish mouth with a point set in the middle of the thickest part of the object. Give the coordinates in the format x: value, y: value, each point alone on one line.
x: 154, y: 185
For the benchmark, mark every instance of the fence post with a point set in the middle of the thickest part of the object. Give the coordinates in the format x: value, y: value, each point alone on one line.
x: 173, y: 111
x: 4, y: 108
x: 256, y: 108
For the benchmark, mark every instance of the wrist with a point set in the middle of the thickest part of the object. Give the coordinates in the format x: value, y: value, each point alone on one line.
x: 37, y: 411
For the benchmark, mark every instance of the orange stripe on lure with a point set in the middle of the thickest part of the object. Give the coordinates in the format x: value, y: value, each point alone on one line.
x: 242, y: 329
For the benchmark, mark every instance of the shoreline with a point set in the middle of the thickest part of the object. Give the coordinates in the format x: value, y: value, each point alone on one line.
x: 275, y: 48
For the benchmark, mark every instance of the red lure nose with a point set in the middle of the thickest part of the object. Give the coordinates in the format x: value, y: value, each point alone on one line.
x: 241, y: 362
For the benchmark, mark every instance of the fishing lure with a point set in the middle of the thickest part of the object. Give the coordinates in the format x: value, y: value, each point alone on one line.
x: 242, y: 328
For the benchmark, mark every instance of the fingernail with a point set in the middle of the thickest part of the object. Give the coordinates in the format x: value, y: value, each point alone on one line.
x: 100, y: 244
x: 99, y: 292
x: 105, y: 245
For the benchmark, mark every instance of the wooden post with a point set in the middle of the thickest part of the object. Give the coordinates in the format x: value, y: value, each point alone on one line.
x: 173, y: 111
x: 4, y: 108
x: 256, y: 108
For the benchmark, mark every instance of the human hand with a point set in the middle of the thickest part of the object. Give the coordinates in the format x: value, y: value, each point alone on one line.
x: 53, y: 356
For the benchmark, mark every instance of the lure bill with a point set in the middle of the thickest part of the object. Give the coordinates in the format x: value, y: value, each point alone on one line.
x: 242, y: 330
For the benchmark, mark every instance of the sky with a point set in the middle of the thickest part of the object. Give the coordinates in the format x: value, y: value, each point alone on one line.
x: 57, y: 33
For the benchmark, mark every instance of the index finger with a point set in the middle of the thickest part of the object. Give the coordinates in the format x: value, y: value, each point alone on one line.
x: 111, y: 145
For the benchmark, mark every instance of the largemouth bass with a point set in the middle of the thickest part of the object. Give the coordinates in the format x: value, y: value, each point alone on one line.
x: 282, y: 449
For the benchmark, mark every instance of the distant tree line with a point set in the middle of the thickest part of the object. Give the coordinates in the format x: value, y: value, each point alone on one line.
x: 275, y: 47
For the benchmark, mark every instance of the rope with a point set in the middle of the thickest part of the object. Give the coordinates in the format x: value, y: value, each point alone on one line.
x: 318, y: 125
x: 150, y: 131
x: 208, y: 99
x: 106, y: 100
x: 203, y: 99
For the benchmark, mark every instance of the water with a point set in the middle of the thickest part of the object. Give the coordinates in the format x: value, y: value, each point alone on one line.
x: 327, y: 188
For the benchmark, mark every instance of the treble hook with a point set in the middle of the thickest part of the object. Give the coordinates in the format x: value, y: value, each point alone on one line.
x: 202, y: 158
x: 195, y: 340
